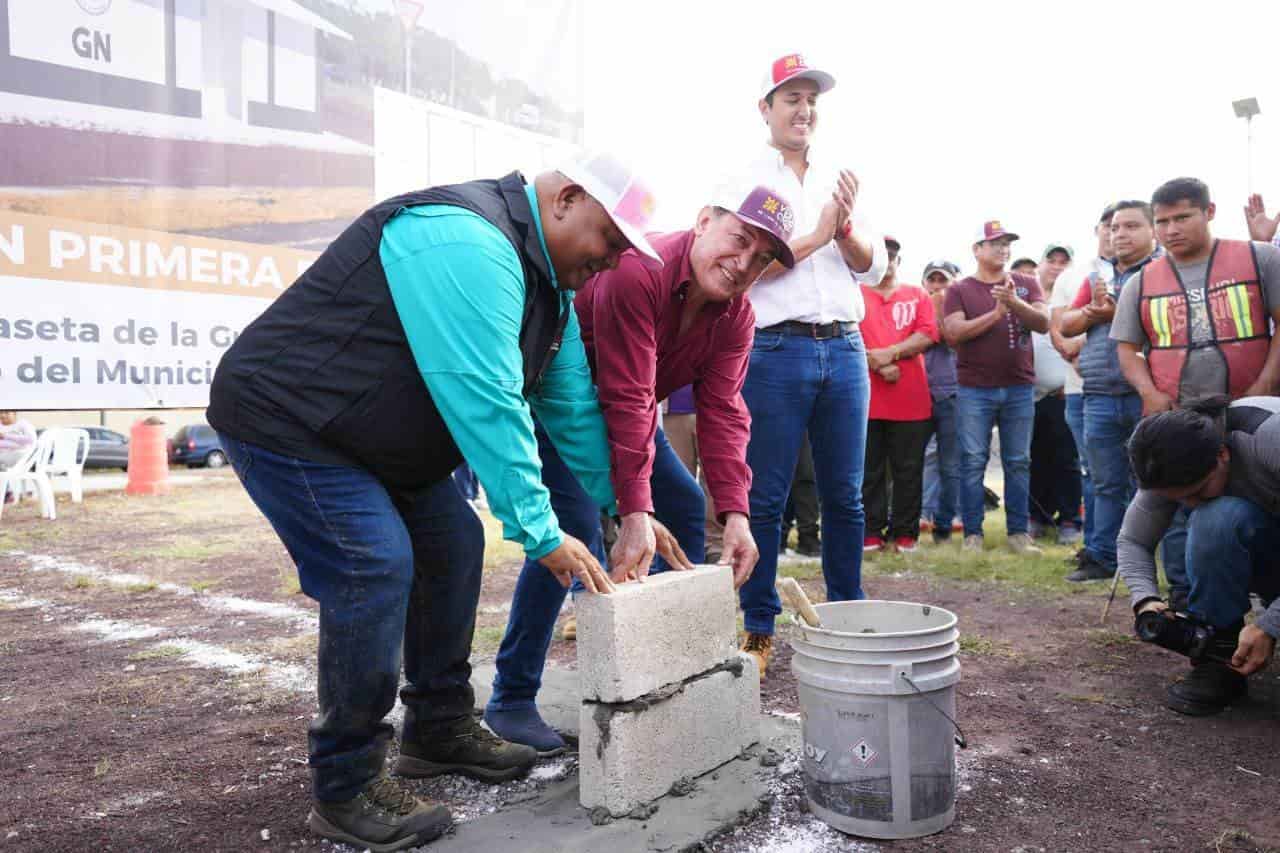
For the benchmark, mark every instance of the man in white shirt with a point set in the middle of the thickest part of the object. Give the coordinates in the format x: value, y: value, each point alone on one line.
x: 808, y: 366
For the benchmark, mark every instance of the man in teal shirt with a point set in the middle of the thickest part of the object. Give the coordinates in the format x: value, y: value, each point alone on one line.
x: 428, y: 333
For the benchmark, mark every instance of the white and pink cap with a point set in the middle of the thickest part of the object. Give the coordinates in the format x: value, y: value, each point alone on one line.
x: 628, y: 201
x: 790, y: 67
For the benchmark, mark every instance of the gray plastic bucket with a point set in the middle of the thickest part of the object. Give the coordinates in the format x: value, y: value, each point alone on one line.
x: 879, y: 754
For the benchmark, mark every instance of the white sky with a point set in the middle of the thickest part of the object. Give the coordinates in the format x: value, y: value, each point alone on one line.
x: 951, y: 113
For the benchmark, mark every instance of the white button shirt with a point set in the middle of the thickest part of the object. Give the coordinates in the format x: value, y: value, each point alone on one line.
x: 821, y: 288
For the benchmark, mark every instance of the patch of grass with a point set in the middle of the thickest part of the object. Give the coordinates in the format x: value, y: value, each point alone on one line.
x: 289, y: 582
x: 977, y: 644
x: 488, y: 638
x: 1041, y: 574
x: 157, y: 653
x: 187, y: 548
x: 801, y: 571
x: 202, y: 586
x: 9, y: 647
x: 1111, y: 639
x: 1094, y: 698
x: 80, y: 582
x: 102, y: 768
x: 146, y: 586
x: 498, y: 552
x: 297, y: 646
x: 1239, y: 841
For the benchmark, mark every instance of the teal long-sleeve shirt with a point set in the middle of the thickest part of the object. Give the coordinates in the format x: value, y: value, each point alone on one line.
x: 459, y: 290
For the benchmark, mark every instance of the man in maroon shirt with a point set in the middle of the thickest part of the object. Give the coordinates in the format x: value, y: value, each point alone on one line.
x: 648, y: 332
x: 988, y: 319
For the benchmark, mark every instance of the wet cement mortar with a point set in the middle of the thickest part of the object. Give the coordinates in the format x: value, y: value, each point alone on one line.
x: 110, y: 743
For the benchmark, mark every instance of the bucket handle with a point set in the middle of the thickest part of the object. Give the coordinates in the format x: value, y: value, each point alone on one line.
x: 961, y: 740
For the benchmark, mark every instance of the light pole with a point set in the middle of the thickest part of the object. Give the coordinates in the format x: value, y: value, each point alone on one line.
x: 410, y: 11
x: 1246, y: 109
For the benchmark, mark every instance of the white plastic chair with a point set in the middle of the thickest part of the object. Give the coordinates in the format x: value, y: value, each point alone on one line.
x: 27, y: 471
x: 70, y: 450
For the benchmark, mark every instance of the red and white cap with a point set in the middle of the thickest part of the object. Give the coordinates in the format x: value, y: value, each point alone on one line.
x: 627, y: 200
x: 790, y: 67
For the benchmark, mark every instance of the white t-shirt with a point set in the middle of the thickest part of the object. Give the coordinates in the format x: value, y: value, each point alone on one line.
x: 821, y: 288
x: 1064, y: 293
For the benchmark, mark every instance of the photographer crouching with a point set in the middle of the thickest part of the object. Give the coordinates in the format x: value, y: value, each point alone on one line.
x: 1221, y: 462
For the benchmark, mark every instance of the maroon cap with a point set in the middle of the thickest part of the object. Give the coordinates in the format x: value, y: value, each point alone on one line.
x: 992, y: 230
x: 767, y: 210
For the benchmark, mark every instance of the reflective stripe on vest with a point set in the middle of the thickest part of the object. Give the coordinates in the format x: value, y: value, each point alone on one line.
x: 1235, y: 306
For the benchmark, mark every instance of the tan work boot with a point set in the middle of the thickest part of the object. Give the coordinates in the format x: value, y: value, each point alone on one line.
x: 760, y: 647
x: 1020, y: 543
x: 570, y: 630
x: 382, y: 818
x: 972, y: 542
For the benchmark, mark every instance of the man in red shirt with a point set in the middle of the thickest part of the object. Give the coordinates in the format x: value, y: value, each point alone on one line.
x: 899, y: 326
x: 647, y: 333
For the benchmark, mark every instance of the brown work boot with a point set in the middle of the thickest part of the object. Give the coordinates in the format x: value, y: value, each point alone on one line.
x: 464, y: 746
x: 383, y: 817
x: 570, y: 630
x: 1021, y: 543
x: 760, y: 647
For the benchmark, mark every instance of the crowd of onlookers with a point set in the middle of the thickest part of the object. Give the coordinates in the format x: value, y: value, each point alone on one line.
x: 1054, y: 355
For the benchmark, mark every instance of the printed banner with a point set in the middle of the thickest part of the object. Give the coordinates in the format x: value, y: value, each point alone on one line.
x: 99, y: 316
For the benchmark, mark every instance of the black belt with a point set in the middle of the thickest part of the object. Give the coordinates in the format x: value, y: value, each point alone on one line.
x: 819, y: 331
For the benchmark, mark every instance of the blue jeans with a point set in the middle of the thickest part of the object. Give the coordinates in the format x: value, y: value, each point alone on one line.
x: 1108, y: 423
x: 1075, y: 422
x: 796, y: 383
x: 390, y: 571
x: 677, y: 502
x: 942, y: 490
x: 466, y: 481
x: 1233, y: 547
x: 1173, y: 553
x: 1012, y: 410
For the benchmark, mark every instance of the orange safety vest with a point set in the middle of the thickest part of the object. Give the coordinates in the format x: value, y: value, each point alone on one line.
x: 1238, y: 320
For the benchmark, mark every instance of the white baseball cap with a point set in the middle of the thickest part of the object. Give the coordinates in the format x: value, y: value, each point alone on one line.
x: 627, y: 200
x: 790, y: 67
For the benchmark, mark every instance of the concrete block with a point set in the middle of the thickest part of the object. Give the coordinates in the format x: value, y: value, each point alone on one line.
x: 631, y: 753
x: 647, y: 635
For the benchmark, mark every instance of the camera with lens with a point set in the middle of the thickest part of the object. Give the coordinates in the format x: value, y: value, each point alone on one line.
x: 1181, y: 633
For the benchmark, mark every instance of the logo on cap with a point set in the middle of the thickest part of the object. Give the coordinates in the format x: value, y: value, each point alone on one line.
x: 636, y: 206
x: 994, y: 225
x: 786, y: 66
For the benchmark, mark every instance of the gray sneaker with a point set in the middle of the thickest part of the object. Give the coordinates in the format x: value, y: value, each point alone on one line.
x: 972, y: 542
x: 1020, y: 543
x: 1069, y: 534
x: 382, y: 818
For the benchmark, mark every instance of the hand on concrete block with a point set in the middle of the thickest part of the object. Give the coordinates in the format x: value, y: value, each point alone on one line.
x: 646, y: 635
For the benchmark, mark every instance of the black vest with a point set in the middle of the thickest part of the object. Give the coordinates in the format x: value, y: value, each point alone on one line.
x: 326, y: 373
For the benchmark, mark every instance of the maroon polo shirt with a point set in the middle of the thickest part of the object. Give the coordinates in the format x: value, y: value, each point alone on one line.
x: 1002, y: 356
x: 630, y: 320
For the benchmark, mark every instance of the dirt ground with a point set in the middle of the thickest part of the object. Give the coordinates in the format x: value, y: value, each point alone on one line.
x: 156, y: 679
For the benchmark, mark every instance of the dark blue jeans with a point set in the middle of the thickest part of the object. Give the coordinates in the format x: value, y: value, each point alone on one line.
x: 1233, y: 548
x: 1108, y: 423
x: 1173, y: 554
x: 795, y: 384
x: 942, y: 490
x: 677, y: 502
x: 1012, y: 409
x: 391, y: 570
x: 1075, y: 422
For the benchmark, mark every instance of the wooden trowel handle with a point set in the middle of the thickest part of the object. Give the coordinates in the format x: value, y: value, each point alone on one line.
x: 795, y: 597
